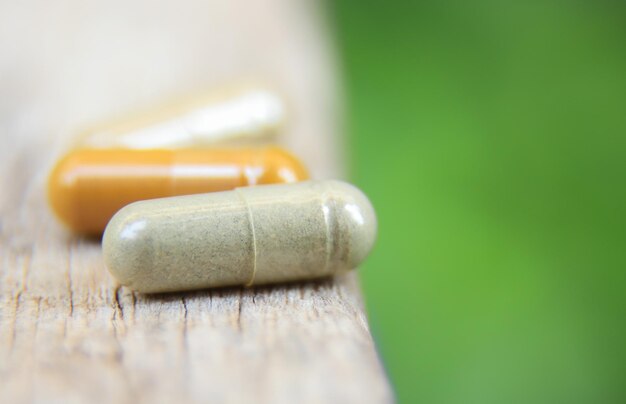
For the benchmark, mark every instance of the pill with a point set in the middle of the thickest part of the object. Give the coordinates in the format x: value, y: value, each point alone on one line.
x: 88, y: 186
x: 248, y: 236
x: 246, y: 112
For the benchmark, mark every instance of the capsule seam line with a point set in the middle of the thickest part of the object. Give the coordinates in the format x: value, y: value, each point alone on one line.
x: 251, y: 221
x: 326, y: 213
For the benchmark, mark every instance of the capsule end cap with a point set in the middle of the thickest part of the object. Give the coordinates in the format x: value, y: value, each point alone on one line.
x: 124, y: 247
x: 359, y: 222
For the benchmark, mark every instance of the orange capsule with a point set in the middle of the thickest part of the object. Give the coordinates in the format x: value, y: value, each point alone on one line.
x: 88, y: 186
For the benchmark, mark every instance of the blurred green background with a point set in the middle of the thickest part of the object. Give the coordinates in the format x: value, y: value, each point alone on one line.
x: 491, y: 137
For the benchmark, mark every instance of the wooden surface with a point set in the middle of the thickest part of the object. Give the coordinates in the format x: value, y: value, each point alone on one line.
x: 68, y: 333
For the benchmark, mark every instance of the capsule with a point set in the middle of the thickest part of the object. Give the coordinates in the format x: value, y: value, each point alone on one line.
x: 248, y: 236
x: 88, y: 186
x: 246, y: 112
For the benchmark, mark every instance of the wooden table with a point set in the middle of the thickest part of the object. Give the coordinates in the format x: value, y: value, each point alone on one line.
x: 68, y: 332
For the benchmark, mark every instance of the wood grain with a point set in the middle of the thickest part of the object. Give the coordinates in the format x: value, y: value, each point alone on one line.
x: 68, y: 333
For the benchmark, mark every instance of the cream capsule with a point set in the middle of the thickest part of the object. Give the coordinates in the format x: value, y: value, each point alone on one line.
x: 242, y: 113
x: 249, y: 236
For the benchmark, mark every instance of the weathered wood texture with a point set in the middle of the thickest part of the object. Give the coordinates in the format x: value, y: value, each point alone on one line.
x: 68, y: 333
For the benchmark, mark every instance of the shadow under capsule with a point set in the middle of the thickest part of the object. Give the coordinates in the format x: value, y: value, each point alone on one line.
x: 257, y: 291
